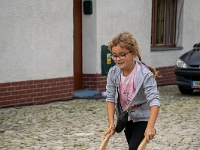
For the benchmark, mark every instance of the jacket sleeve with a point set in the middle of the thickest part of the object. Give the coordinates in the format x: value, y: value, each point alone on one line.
x: 150, y: 90
x: 110, y: 86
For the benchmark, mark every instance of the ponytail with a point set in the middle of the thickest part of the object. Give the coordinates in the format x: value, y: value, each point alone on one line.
x: 153, y: 70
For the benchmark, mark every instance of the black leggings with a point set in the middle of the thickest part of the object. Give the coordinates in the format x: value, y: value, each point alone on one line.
x: 135, y: 133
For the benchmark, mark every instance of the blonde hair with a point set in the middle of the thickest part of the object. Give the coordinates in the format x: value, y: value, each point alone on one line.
x: 128, y: 41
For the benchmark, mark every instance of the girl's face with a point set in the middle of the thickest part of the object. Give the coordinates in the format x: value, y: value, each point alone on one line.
x: 123, y: 57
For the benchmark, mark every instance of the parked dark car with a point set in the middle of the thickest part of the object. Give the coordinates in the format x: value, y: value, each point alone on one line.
x: 187, y: 70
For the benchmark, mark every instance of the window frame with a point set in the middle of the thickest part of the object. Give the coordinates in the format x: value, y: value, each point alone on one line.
x: 154, y: 24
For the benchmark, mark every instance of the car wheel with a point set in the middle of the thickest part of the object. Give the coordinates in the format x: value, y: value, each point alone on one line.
x: 184, y: 90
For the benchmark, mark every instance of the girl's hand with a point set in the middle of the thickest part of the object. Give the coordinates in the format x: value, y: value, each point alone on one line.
x: 149, y: 133
x: 110, y: 130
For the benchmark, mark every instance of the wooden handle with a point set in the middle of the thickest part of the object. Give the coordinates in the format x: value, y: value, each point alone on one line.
x: 104, y: 143
x: 143, y: 144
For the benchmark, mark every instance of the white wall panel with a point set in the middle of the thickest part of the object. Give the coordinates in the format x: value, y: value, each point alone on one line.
x: 113, y: 16
x: 36, y: 39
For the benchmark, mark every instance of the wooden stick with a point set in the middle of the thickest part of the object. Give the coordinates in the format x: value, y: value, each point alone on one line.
x: 143, y: 144
x: 104, y: 143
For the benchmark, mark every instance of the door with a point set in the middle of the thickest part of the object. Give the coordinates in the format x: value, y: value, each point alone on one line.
x: 77, y: 12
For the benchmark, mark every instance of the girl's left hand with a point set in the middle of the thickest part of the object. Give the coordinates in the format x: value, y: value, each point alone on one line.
x: 109, y: 131
x: 149, y: 133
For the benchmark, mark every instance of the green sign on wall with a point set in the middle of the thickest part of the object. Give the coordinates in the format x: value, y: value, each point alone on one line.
x: 106, y: 60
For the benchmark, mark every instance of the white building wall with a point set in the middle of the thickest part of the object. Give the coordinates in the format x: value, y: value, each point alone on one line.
x: 191, y: 24
x: 36, y: 39
x: 126, y: 15
x: 89, y: 42
x: 113, y: 16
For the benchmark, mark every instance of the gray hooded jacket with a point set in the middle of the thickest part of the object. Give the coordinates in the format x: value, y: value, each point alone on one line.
x: 146, y: 91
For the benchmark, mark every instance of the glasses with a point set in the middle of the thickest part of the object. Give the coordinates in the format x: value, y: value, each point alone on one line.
x: 121, y: 56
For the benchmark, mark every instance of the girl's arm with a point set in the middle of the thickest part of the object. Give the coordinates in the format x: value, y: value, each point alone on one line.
x: 110, y: 113
x: 152, y: 96
x: 150, y: 132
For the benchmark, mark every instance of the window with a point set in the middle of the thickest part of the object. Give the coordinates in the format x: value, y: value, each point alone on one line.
x: 163, y: 29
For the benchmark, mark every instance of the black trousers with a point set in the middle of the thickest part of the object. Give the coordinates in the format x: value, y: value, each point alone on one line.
x: 134, y: 133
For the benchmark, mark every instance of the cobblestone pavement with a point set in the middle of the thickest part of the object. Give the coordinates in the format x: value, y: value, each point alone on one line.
x: 79, y: 124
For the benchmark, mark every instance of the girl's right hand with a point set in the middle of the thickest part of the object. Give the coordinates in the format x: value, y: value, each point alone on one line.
x: 110, y: 130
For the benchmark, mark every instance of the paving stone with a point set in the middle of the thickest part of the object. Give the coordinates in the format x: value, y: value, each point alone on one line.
x: 79, y: 124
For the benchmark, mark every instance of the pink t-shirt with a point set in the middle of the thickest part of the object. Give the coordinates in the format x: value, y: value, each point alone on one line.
x: 127, y: 87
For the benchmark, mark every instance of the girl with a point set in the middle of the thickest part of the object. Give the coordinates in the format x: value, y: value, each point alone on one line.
x: 131, y: 79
